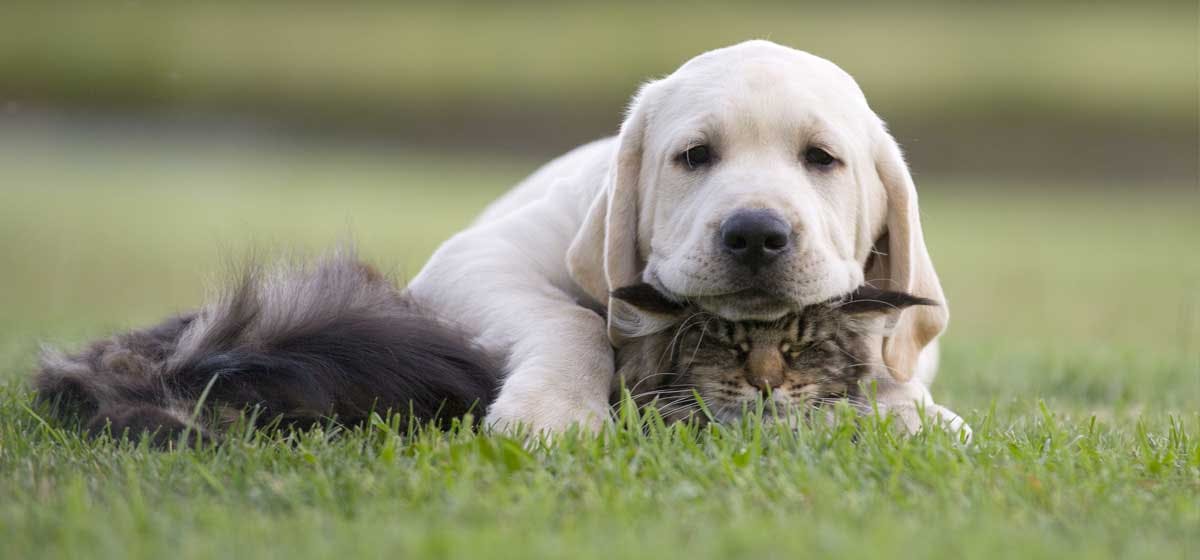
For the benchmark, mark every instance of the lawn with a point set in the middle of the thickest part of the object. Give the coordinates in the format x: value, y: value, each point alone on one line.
x: 1074, y: 352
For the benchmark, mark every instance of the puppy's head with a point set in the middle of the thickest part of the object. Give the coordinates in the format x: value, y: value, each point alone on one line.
x: 751, y: 182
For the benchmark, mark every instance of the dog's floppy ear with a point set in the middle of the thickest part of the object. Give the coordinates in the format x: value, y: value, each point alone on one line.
x: 604, y: 254
x: 903, y: 263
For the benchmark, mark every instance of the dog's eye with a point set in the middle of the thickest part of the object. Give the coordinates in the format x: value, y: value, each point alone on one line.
x: 696, y: 156
x: 819, y: 157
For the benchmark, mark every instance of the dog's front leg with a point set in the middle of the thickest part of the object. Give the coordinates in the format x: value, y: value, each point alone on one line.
x: 507, y: 284
x: 559, y: 362
x: 560, y: 371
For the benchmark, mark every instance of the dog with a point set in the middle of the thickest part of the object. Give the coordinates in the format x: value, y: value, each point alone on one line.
x: 751, y: 182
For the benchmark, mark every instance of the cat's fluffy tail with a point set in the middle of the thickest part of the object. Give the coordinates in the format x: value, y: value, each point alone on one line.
x: 299, y: 342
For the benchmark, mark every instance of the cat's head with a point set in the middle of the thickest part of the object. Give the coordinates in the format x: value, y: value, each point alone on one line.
x: 802, y: 361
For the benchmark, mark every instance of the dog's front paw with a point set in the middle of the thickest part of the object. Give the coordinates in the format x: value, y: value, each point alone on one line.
x: 545, y: 413
x: 914, y: 419
x: 951, y: 421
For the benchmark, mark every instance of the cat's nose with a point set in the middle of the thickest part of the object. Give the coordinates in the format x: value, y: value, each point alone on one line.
x: 765, y: 383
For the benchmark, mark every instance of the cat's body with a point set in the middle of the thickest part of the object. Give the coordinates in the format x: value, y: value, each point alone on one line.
x: 792, y: 366
x: 300, y: 344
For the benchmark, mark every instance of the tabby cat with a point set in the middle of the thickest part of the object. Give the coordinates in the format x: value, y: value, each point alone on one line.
x: 792, y: 366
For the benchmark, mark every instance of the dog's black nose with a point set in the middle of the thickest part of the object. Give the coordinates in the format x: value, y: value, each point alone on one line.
x: 755, y: 238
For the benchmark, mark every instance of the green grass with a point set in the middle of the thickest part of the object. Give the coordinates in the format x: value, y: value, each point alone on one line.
x: 1074, y: 351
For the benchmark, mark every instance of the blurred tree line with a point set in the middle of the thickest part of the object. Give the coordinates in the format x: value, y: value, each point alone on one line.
x: 1025, y: 87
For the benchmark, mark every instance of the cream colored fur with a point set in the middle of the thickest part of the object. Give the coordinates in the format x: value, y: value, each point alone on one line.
x: 527, y: 278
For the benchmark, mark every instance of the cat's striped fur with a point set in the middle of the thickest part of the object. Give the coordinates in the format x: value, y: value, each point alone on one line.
x: 810, y: 358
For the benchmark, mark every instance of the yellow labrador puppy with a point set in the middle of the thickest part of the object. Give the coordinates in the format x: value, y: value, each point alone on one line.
x: 753, y: 180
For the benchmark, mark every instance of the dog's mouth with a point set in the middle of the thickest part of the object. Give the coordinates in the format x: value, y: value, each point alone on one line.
x: 764, y: 297
x: 744, y: 303
x: 747, y: 304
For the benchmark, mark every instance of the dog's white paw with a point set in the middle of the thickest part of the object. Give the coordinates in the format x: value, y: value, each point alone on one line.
x: 949, y: 420
x: 914, y: 419
x: 547, y: 414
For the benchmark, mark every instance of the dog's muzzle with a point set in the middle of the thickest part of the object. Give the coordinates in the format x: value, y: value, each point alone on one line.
x: 755, y: 239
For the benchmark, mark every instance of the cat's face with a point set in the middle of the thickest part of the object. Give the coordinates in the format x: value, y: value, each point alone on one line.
x: 814, y: 357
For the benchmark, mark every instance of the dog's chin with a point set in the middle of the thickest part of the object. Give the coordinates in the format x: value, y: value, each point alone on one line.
x: 747, y: 305
x: 764, y: 297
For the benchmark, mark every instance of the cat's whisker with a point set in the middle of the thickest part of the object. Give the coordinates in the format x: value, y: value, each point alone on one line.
x: 673, y: 402
x: 855, y: 403
x: 672, y: 390
x: 656, y: 395
x: 649, y: 377
x: 699, y: 343
x: 665, y: 395
x: 890, y: 369
x: 860, y: 364
x: 684, y: 326
x: 669, y: 351
x: 680, y: 413
x: 677, y: 405
x: 839, y: 305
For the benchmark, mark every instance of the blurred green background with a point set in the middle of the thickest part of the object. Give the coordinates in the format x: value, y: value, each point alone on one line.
x: 143, y: 146
x: 146, y: 146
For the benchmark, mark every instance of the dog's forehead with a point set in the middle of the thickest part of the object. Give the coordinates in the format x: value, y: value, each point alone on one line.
x: 759, y: 83
x: 759, y: 55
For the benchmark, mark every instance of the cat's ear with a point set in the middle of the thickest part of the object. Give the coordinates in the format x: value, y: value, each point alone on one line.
x: 645, y: 298
x: 640, y: 310
x: 866, y: 305
x: 873, y: 300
